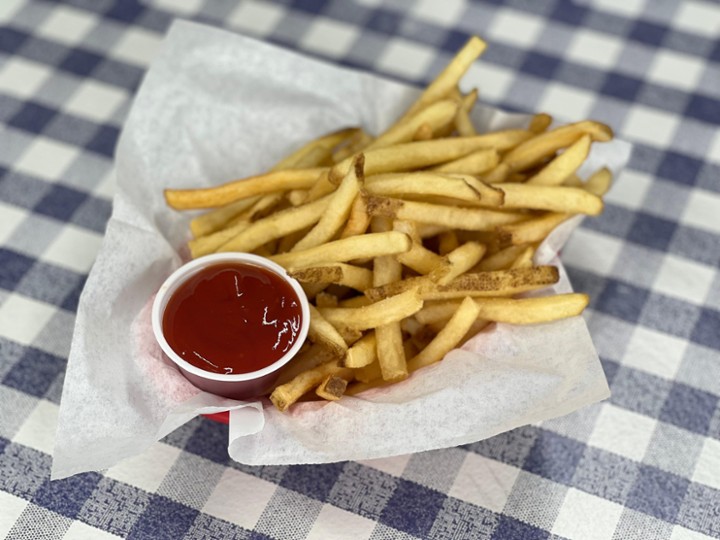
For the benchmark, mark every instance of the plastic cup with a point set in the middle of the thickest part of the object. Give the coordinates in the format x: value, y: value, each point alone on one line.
x: 238, y: 385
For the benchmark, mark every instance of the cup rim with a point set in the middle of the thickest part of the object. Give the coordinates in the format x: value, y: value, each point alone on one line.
x: 186, y: 271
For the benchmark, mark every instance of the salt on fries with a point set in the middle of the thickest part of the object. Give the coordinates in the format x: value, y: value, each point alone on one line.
x: 408, y: 243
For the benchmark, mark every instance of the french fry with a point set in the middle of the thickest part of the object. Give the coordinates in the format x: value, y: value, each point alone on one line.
x: 286, y: 394
x: 331, y: 388
x: 358, y: 220
x: 477, y: 162
x: 568, y: 200
x: 555, y: 172
x: 313, y: 356
x: 540, y: 122
x: 447, y: 241
x: 534, y: 150
x: 500, y: 260
x: 348, y: 275
x: 599, y: 183
x: 456, y: 187
x: 362, y: 353
x: 321, y: 331
x: 338, y: 209
x: 424, y: 132
x: 186, y: 199
x: 473, y: 219
x: 495, y: 283
x: 449, y: 337
x: 532, y: 230
x: 269, y: 228
x: 418, y: 257
x: 448, y: 79
x: 510, y: 310
x: 463, y: 124
x: 459, y: 261
x: 435, y: 116
x: 347, y: 249
x: 421, y: 154
x: 326, y: 299
x: 524, y: 259
x: 370, y: 372
x: 307, y: 152
x: 388, y: 309
x: 497, y: 175
x: 390, y: 352
x: 214, y: 220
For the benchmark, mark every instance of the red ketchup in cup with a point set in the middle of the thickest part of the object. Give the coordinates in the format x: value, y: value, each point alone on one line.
x: 230, y: 321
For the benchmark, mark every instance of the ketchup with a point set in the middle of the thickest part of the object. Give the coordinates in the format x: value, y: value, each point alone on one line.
x: 232, y: 318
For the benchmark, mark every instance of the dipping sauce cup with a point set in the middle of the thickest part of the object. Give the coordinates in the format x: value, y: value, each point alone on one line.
x: 230, y: 321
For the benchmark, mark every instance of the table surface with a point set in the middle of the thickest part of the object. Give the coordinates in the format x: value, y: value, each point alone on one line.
x: 643, y: 464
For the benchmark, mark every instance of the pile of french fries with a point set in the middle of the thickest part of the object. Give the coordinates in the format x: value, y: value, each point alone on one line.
x: 409, y: 243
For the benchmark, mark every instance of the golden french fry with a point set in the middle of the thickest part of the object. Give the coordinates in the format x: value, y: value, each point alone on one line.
x: 463, y: 123
x: 358, y: 220
x: 311, y: 357
x: 418, y: 257
x: 511, y: 310
x: 286, y: 394
x: 321, y: 187
x: 338, y: 209
x: 348, y: 275
x: 568, y: 200
x: 448, y: 79
x: 524, y: 259
x: 494, y: 283
x: 421, y: 154
x: 435, y: 116
x: 390, y: 352
x: 424, y: 132
x: 540, y: 122
x: 321, y: 331
x: 215, y: 219
x: 347, y: 249
x: 362, y: 353
x: 500, y: 260
x: 599, y: 183
x: 532, y: 230
x: 449, y: 337
x: 419, y: 185
x: 497, y: 175
x: 459, y: 261
x: 540, y: 147
x: 562, y: 166
x: 185, y: 199
x: 447, y: 241
x: 331, y: 388
x: 474, y: 219
x: 357, y: 143
x: 249, y: 237
x: 325, y: 299
x: 370, y: 372
x: 355, y: 302
x: 477, y: 162
x: 389, y: 309
x: 308, y: 152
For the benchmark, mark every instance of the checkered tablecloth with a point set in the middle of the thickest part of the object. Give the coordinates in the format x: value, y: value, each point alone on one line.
x: 643, y: 464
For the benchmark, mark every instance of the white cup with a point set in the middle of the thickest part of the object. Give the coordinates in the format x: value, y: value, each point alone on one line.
x: 238, y: 385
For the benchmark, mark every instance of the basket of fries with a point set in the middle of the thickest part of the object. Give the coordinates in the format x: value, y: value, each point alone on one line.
x: 426, y: 243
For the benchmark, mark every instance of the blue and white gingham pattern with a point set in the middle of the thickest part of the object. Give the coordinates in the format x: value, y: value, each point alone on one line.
x: 643, y: 464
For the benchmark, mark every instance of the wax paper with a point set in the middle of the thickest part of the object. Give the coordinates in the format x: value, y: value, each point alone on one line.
x: 216, y: 106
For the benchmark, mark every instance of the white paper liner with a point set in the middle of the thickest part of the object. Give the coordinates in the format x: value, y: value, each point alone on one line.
x: 216, y: 106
